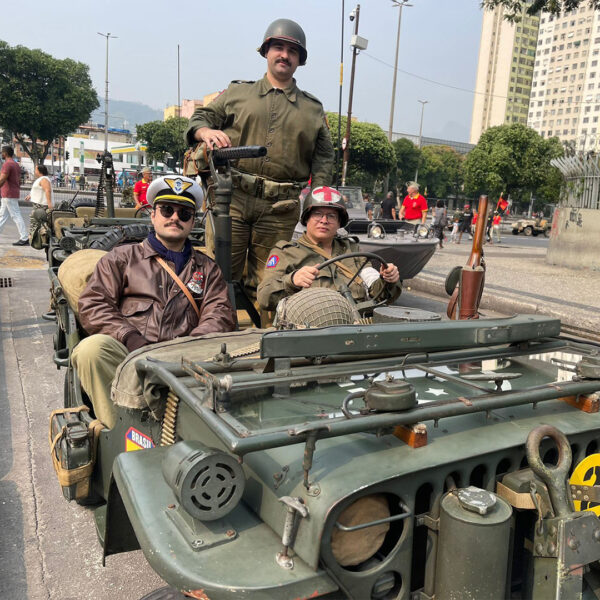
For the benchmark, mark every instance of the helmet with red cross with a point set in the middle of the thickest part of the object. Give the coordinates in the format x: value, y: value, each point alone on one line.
x: 324, y: 197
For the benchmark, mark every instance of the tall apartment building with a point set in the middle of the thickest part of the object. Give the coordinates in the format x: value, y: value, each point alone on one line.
x: 504, y: 71
x: 565, y: 93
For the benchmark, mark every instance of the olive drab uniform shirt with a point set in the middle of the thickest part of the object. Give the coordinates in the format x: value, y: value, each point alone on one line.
x: 290, y: 122
x: 287, y: 257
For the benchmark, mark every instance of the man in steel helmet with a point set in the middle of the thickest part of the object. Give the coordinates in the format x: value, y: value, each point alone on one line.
x: 136, y: 296
x: 292, y: 266
x: 290, y: 122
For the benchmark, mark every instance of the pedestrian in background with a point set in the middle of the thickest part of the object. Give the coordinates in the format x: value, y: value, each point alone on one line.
x: 455, y: 225
x: 440, y: 221
x: 414, y: 206
x: 10, y: 190
x: 388, y: 207
x: 496, y: 225
x: 465, y: 222
x: 368, y: 206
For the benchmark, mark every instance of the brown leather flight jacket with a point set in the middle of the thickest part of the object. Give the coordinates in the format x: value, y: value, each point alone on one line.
x: 130, y: 292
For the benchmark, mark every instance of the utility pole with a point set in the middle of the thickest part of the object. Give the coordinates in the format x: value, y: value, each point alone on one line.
x: 399, y: 5
x: 423, y: 103
x: 339, y: 132
x: 357, y: 44
x: 107, y: 36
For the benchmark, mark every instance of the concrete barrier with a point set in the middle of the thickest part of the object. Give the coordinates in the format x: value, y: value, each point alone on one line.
x: 575, y: 238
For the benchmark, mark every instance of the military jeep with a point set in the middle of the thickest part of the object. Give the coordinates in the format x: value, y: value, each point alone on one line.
x: 399, y: 456
x: 531, y: 227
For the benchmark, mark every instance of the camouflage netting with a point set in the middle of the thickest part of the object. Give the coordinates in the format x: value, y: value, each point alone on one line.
x: 314, y: 307
x: 127, y: 389
x: 76, y: 271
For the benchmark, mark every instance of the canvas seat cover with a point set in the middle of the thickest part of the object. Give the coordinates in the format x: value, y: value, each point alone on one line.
x: 75, y: 272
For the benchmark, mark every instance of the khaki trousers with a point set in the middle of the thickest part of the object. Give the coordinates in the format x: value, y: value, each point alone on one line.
x: 257, y: 224
x: 96, y: 359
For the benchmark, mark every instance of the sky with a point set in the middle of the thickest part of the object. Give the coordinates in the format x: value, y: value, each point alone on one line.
x: 439, y: 45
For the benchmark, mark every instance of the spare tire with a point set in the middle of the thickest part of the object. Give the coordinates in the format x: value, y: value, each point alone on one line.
x: 83, y: 201
x: 121, y: 234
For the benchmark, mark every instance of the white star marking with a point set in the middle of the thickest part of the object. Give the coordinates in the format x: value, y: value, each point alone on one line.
x: 436, y: 392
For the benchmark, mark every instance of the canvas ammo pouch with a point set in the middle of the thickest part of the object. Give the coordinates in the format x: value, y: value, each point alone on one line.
x: 268, y: 189
x: 73, y: 444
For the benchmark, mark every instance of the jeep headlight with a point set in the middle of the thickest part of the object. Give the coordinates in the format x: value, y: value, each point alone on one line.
x: 351, y: 545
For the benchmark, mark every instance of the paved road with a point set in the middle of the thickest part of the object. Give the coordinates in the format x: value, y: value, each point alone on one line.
x: 48, y: 547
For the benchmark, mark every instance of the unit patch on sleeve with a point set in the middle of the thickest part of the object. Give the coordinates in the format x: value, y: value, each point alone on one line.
x: 136, y: 440
x: 273, y: 260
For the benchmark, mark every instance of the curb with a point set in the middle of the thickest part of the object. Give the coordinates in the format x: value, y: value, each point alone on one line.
x: 507, y: 304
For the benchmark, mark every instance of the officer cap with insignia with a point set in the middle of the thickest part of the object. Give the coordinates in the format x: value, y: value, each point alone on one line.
x: 175, y: 189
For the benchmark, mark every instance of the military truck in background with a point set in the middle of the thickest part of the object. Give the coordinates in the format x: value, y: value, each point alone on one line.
x: 529, y: 227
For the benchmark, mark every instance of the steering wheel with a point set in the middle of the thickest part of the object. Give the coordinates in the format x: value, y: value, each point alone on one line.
x: 144, y: 208
x: 373, y: 302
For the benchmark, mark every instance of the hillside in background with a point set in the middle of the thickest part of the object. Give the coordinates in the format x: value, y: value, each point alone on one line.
x: 126, y: 115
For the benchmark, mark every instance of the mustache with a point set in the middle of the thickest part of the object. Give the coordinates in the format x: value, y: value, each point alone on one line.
x: 173, y: 223
x: 284, y: 60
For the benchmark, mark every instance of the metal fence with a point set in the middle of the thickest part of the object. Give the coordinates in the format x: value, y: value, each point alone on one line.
x: 582, y: 175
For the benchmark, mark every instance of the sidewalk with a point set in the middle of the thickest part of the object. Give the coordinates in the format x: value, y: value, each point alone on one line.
x: 518, y: 280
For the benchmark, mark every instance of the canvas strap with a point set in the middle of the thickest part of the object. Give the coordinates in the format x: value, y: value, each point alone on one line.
x: 180, y: 283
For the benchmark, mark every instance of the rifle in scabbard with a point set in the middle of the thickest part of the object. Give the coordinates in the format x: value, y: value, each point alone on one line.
x: 465, y: 299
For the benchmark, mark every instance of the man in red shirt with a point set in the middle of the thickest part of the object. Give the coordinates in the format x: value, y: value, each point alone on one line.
x: 10, y: 190
x: 414, y: 207
x: 502, y: 205
x: 141, y: 187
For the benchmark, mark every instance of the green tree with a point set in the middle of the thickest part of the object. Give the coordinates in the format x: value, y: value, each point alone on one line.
x: 371, y: 155
x: 407, y: 159
x: 513, y: 9
x: 510, y: 158
x: 42, y: 97
x: 164, y: 137
x: 441, y: 171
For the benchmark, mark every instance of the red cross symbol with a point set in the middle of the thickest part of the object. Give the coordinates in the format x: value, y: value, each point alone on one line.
x: 327, y: 195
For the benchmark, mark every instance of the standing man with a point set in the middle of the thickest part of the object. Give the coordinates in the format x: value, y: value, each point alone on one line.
x: 388, y: 207
x: 466, y: 219
x: 140, y: 294
x: 414, y: 206
x: 291, y: 123
x: 368, y: 206
x: 10, y: 190
x: 141, y: 188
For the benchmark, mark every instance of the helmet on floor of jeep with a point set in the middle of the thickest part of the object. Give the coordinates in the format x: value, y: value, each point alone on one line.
x: 288, y: 31
x: 324, y: 197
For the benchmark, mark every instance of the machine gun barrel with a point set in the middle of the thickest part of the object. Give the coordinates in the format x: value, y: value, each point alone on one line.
x: 221, y: 155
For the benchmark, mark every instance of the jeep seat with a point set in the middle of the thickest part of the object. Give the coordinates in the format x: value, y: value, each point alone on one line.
x: 75, y: 272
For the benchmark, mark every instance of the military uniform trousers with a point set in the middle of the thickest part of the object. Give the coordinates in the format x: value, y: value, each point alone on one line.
x: 96, y: 359
x: 257, y: 224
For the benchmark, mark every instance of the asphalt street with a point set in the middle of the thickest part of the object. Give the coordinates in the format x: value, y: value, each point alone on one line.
x: 48, y: 547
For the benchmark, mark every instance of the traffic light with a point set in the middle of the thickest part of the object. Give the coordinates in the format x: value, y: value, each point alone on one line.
x: 67, y: 155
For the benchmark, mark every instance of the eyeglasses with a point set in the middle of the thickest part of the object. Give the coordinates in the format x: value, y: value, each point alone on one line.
x: 184, y: 214
x: 317, y: 215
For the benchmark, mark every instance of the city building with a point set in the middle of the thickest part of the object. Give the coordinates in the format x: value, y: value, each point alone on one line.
x: 565, y: 93
x: 504, y: 71
x: 460, y: 147
x: 186, y: 109
x: 171, y: 111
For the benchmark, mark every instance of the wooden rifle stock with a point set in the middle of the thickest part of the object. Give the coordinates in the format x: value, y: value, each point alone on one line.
x: 464, y: 303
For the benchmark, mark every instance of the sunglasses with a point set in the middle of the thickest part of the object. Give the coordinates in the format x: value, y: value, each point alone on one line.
x: 184, y: 214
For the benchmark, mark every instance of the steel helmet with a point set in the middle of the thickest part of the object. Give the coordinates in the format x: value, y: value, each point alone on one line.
x: 324, y: 197
x: 288, y: 31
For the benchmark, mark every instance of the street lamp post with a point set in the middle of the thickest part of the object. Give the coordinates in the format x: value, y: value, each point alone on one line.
x: 423, y: 103
x: 107, y: 36
x: 357, y: 44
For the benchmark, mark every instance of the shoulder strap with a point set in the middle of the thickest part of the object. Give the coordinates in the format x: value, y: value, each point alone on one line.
x: 339, y: 265
x: 180, y: 283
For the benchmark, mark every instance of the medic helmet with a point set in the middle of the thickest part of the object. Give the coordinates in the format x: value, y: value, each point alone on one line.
x: 328, y: 198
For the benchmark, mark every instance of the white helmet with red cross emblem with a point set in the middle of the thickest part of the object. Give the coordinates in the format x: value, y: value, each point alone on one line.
x: 324, y: 197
